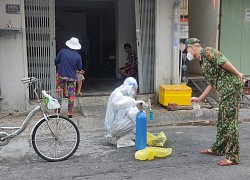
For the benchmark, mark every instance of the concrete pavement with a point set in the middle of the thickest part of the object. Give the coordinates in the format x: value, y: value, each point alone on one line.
x: 89, y: 115
x: 95, y: 159
x: 96, y: 107
x: 186, y: 134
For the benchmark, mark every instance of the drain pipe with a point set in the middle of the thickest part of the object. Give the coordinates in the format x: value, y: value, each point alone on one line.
x: 176, y: 41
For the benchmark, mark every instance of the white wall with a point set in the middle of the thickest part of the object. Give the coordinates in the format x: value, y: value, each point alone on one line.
x: 164, y: 45
x: 203, y: 24
x: 13, y: 61
x: 125, y: 29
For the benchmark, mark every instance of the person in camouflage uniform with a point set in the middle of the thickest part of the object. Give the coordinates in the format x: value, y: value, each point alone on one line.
x: 228, y: 83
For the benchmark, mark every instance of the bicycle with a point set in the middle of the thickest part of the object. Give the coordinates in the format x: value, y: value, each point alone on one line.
x: 54, y: 137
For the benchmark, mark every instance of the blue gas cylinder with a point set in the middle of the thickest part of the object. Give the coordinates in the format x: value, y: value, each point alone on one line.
x: 141, y: 130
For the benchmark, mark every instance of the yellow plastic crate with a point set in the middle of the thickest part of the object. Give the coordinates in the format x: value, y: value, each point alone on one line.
x: 179, y: 94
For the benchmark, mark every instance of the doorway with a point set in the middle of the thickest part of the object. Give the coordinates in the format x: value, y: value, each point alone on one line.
x: 93, y: 23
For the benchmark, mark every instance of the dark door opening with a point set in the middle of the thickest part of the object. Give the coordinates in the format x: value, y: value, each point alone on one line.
x: 93, y: 23
x: 101, y: 32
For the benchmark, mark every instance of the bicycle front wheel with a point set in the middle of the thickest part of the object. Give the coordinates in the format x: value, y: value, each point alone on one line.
x: 56, y: 139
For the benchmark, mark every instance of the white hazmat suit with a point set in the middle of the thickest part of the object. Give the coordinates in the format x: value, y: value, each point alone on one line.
x: 121, y: 114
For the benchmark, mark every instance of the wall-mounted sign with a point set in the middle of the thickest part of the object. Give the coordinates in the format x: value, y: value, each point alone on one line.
x: 247, y: 17
x: 184, y: 8
x: 12, y: 8
x: 184, y: 30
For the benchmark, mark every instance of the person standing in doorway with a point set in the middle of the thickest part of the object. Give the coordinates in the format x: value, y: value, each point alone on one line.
x: 131, y: 66
x: 69, y: 62
x: 228, y: 83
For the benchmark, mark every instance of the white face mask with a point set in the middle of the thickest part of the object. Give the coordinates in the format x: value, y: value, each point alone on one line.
x: 190, y: 56
x: 131, y: 92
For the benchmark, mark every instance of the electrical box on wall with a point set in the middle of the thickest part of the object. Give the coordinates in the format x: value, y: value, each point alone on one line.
x: 12, y: 8
x: 10, y: 16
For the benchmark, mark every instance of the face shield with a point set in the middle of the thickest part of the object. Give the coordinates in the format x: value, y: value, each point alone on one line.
x: 130, y: 87
x: 132, y: 90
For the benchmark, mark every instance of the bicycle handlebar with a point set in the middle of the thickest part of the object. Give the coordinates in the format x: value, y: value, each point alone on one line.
x: 29, y: 80
x: 32, y: 81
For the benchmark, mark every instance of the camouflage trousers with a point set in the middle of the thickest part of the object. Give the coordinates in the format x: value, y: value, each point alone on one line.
x: 227, y: 138
x: 60, y: 84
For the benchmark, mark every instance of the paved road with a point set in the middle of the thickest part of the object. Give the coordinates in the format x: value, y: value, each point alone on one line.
x: 96, y: 159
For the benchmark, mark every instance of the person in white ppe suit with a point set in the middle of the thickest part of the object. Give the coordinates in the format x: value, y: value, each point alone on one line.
x: 121, y: 114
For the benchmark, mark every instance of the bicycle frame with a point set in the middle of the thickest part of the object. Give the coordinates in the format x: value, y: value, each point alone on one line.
x: 23, y: 126
x: 26, y: 123
x: 28, y: 119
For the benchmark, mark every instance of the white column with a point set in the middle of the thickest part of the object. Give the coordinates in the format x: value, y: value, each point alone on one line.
x: 164, y: 43
x: 13, y: 62
x: 175, y: 45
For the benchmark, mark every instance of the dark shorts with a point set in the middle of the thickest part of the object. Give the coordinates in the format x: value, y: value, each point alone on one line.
x: 131, y: 72
x: 125, y: 68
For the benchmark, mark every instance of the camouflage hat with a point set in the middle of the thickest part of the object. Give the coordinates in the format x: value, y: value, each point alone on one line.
x: 190, y: 42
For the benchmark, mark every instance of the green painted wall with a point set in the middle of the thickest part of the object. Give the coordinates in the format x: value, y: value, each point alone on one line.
x: 235, y: 33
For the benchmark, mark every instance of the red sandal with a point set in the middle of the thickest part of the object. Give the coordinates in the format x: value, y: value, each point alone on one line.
x: 226, y: 162
x: 207, y: 151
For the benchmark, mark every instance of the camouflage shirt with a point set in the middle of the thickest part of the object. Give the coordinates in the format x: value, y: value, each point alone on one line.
x: 221, y: 79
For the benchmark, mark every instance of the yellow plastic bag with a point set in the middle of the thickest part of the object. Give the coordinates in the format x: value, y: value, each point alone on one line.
x: 158, y: 140
x: 161, y: 152
x: 149, y: 153
x: 144, y: 154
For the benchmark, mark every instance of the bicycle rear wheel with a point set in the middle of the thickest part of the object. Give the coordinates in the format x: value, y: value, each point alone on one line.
x: 59, y: 147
